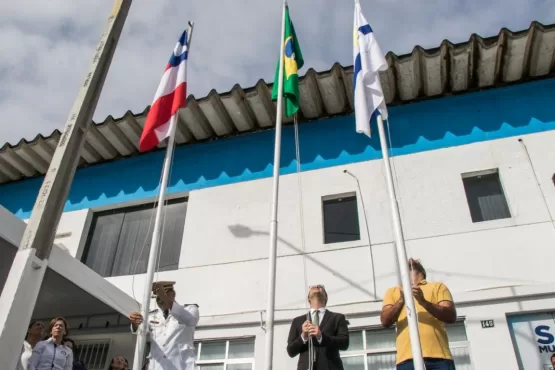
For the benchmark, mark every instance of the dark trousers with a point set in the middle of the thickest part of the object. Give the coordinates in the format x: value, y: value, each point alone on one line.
x: 430, y: 363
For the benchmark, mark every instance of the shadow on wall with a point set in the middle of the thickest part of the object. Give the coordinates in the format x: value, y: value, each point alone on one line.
x: 428, y: 125
x: 242, y: 231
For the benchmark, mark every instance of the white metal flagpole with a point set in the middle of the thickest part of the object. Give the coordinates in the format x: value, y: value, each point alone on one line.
x: 142, y: 333
x: 269, y: 349
x: 401, y: 255
x: 369, y: 97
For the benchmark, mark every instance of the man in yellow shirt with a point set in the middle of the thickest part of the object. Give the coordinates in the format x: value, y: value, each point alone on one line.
x: 435, y: 307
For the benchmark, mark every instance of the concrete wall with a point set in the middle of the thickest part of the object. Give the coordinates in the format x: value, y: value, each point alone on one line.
x: 223, y: 263
x: 226, y: 231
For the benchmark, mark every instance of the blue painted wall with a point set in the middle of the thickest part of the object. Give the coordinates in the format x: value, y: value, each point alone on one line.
x: 430, y: 125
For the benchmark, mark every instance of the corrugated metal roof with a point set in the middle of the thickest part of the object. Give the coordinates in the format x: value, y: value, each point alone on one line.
x: 510, y: 57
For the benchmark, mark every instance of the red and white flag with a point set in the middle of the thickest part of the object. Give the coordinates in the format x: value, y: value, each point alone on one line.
x: 170, y: 97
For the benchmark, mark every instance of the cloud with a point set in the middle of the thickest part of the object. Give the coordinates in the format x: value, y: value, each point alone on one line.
x: 47, y: 45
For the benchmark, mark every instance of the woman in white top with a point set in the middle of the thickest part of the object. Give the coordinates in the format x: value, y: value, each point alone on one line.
x: 34, y: 333
x: 51, y: 354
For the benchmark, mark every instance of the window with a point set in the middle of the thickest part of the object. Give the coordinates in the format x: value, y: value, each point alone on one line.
x: 485, y: 196
x: 340, y: 219
x: 94, y: 353
x: 119, y: 240
x: 235, y: 354
x: 375, y: 349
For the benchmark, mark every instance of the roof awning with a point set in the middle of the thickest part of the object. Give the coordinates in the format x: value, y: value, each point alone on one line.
x: 69, y: 289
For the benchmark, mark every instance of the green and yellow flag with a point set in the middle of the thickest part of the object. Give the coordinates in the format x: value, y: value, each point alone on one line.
x: 293, y: 61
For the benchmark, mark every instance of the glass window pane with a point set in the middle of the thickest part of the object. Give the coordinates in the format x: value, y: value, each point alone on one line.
x: 341, y: 222
x: 380, y: 338
x: 239, y: 367
x: 382, y: 361
x: 353, y: 363
x: 461, y: 356
x: 211, y: 367
x: 102, y: 243
x: 172, y: 239
x: 212, y: 351
x: 133, y: 243
x: 119, y: 240
x: 242, y: 348
x: 485, y: 196
x: 355, y: 341
x: 456, y: 332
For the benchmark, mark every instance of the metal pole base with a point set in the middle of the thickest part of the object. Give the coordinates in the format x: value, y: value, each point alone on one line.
x: 22, y: 287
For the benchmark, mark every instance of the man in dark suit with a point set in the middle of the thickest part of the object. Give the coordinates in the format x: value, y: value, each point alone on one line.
x: 327, y: 331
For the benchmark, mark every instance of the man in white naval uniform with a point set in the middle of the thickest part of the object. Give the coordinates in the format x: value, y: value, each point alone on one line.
x: 171, y: 330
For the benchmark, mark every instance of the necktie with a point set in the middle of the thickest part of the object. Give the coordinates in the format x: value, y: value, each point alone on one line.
x: 316, y: 322
x: 166, y: 313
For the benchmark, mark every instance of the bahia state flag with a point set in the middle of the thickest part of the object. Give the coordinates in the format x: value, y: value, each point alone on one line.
x: 368, y: 62
x: 170, y: 97
x: 293, y: 61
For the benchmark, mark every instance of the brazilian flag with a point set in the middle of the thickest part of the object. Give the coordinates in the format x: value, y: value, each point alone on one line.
x: 293, y: 61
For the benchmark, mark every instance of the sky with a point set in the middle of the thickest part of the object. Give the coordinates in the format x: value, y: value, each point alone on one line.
x: 46, y: 46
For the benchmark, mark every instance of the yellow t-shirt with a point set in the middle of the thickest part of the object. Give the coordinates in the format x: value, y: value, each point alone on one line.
x: 433, y: 335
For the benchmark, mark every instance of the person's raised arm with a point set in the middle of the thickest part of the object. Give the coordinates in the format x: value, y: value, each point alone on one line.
x: 295, y: 341
x: 391, y: 309
x: 136, y: 320
x: 188, y: 315
x: 444, y: 310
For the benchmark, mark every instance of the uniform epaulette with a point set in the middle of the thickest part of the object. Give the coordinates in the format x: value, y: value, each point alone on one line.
x: 153, y: 311
x: 190, y: 304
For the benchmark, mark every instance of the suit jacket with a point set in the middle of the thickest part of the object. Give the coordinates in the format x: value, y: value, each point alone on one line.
x: 335, y: 337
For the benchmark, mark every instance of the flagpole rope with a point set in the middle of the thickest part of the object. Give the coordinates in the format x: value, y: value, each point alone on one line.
x: 164, y: 212
x: 166, y: 200
x: 152, y: 215
x: 301, y: 203
x: 301, y: 216
x: 399, y: 200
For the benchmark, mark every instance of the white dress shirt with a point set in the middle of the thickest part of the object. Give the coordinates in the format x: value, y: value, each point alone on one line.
x: 171, y: 338
x: 26, y: 353
x: 321, y: 312
x: 47, y: 355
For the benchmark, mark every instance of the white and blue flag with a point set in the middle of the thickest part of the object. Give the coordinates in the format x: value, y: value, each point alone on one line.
x: 369, y: 60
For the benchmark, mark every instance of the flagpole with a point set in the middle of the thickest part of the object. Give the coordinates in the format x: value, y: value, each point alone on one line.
x: 142, y: 333
x: 269, y: 349
x: 401, y: 254
x: 155, y: 246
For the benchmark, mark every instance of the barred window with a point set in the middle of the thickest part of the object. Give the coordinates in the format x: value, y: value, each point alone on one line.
x: 233, y: 354
x: 375, y: 348
x: 93, y: 353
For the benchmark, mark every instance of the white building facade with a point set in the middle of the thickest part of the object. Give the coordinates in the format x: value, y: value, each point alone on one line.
x: 476, y: 187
